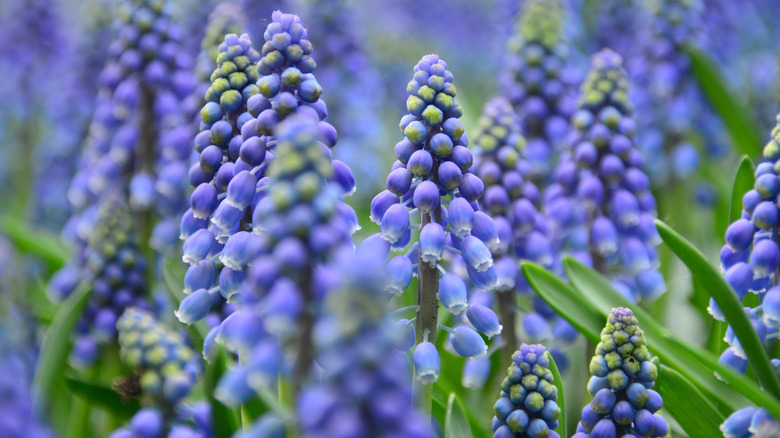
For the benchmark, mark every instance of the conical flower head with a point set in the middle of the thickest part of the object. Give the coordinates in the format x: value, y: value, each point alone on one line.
x: 528, y: 404
x: 226, y: 18
x: 606, y: 84
x: 538, y: 80
x: 166, y: 366
x: 601, y: 188
x: 622, y: 375
x: 541, y: 22
x: 116, y: 268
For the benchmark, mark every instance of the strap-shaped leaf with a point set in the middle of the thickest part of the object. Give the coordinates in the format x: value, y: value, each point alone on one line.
x: 558, y: 382
x: 695, y: 414
x: 565, y: 301
x: 456, y: 425
x: 744, y: 180
x: 729, y: 304
x: 101, y: 396
x: 694, y: 363
x: 30, y: 240
x: 57, y: 343
x: 224, y: 419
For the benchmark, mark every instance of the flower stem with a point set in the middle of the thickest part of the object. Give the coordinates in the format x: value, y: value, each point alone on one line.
x: 507, y: 313
x: 147, y: 139
x: 305, y: 345
x: 427, y: 319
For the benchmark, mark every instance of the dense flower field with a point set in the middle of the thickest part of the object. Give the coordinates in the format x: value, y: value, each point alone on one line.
x: 370, y: 218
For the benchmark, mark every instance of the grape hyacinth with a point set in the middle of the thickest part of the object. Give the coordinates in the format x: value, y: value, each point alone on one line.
x: 601, y: 199
x: 510, y: 199
x: 299, y: 224
x: 750, y: 423
x: 166, y: 369
x: 432, y: 177
x: 674, y: 109
x: 356, y: 340
x: 237, y: 144
x: 354, y: 88
x: 138, y: 140
x: 513, y: 201
x: 528, y: 405
x: 226, y: 18
x: 750, y: 259
x: 622, y: 377
x: 540, y: 83
x: 114, y: 266
x: 222, y: 193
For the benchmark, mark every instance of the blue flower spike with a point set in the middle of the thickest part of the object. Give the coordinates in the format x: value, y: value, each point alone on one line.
x: 622, y: 375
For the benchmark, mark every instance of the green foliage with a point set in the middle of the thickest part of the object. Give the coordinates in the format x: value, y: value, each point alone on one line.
x: 455, y: 423
x: 743, y: 181
x: 735, y: 113
x: 558, y: 382
x: 729, y: 303
x: 683, y: 401
x: 37, y: 242
x: 101, y: 396
x: 598, y: 297
x: 57, y: 344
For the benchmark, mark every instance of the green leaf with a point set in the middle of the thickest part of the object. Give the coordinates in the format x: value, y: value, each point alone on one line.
x: 558, y: 382
x: 223, y: 418
x: 565, y: 301
x: 101, y: 396
x: 37, y: 242
x: 695, y: 414
x: 56, y: 344
x: 455, y: 423
x: 173, y: 276
x: 692, y: 362
x: 744, y: 180
x: 735, y: 113
x: 729, y: 303
x: 40, y: 304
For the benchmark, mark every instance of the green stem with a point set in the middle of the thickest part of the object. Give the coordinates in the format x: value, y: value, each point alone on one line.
x: 427, y: 320
x: 507, y: 314
x: 80, y: 413
x: 145, y: 159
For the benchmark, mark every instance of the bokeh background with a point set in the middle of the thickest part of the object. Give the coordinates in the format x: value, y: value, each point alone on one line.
x: 704, y: 79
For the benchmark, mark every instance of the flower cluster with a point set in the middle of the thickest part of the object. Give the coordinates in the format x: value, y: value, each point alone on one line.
x: 116, y: 269
x: 299, y: 224
x: 226, y: 18
x: 528, y: 405
x: 433, y: 177
x: 356, y: 338
x: 750, y: 423
x: 138, y: 140
x: 225, y: 180
x: 354, y: 87
x: 673, y: 108
x: 167, y: 369
x: 622, y: 375
x: 513, y: 201
x: 601, y: 198
x: 540, y: 84
x: 750, y: 257
x: 237, y: 144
